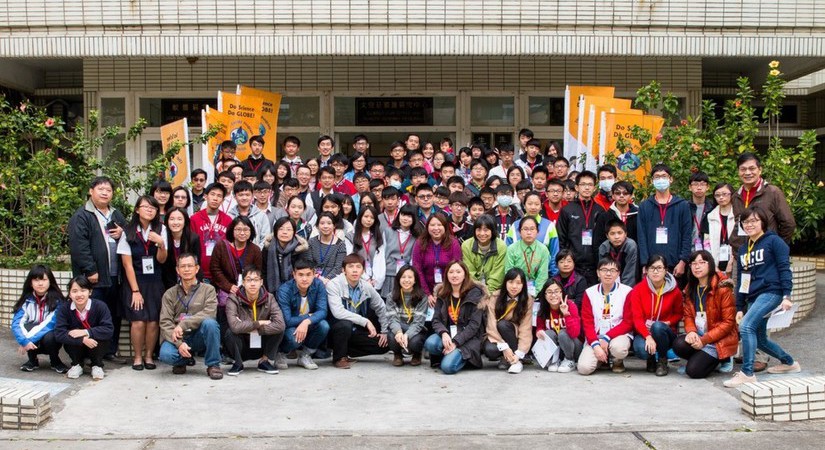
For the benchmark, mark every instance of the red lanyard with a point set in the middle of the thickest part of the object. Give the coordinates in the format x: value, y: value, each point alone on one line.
x: 255, y: 168
x: 663, y: 209
x: 367, y: 244
x: 144, y: 242
x: 41, y: 307
x: 616, y: 256
x: 587, y: 213
x: 84, y: 322
x: 403, y: 245
x: 723, y: 220
x: 390, y: 221
x: 698, y: 226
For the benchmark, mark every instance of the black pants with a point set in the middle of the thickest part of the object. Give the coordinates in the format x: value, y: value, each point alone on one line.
x: 237, y: 346
x: 699, y: 363
x: 111, y: 296
x: 80, y: 352
x: 507, y: 330
x: 48, y: 345
x: 414, y: 345
x: 348, y: 342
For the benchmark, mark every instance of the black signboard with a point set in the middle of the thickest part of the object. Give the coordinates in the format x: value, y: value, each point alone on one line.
x: 379, y: 111
x: 177, y: 108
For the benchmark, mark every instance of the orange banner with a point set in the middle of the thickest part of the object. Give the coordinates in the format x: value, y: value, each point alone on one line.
x: 268, y: 127
x: 244, y: 115
x: 211, y: 150
x: 620, y: 124
x: 593, y: 106
x: 573, y: 120
x: 178, y: 131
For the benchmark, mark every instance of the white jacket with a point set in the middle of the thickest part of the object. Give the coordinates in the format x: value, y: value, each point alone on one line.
x: 713, y: 237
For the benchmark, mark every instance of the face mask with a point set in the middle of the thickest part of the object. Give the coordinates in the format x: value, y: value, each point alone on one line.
x: 396, y: 184
x: 505, y: 201
x: 661, y: 184
x: 606, y: 185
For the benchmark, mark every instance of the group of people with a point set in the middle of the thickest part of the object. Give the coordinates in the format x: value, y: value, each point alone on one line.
x: 450, y: 256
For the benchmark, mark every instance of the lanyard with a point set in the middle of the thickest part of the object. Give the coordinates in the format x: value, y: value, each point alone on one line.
x: 698, y: 226
x: 403, y: 245
x: 606, y: 295
x: 355, y: 294
x: 616, y: 256
x: 454, y: 310
x: 437, y: 252
x: 212, y: 224
x: 407, y: 310
x: 503, y: 225
x: 190, y: 296
x: 106, y: 218
x: 324, y: 255
x: 570, y: 280
x: 240, y: 256
x: 587, y: 212
x: 663, y: 209
x: 510, y: 307
x: 255, y: 168
x: 658, y: 304
x: 748, y: 254
x: 746, y: 193
x: 84, y: 319
x: 723, y: 220
x: 41, y: 307
x: 529, y: 264
x: 390, y: 221
x: 556, y: 322
x: 366, y: 243
x: 144, y: 242
x: 700, y: 297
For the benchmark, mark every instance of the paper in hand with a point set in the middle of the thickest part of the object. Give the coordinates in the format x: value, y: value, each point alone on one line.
x: 780, y: 318
x: 545, y: 351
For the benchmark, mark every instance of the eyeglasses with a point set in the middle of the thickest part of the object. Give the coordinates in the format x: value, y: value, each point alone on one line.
x: 698, y: 263
x: 661, y: 177
x: 721, y: 194
x: 147, y: 207
x: 180, y: 197
x: 751, y: 221
x: 242, y: 230
x: 656, y: 269
x: 553, y: 292
x: 253, y: 279
x: 554, y: 191
x: 608, y: 271
x: 560, y: 166
x: 424, y: 197
x: 187, y: 266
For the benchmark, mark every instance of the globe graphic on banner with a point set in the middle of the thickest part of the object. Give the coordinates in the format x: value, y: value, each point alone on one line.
x: 628, y: 162
x: 173, y: 170
x: 239, y: 136
x: 261, y: 130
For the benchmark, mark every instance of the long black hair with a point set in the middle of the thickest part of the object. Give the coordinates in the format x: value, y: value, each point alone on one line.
x: 163, y: 186
x: 377, y: 235
x: 411, y: 211
x: 417, y: 293
x: 522, y: 305
x: 337, y: 200
x: 53, y: 295
x: 134, y: 223
x: 185, y: 235
x: 692, y: 281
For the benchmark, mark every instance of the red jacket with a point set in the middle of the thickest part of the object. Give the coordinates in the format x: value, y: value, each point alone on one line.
x: 602, y: 200
x: 642, y: 300
x: 572, y: 323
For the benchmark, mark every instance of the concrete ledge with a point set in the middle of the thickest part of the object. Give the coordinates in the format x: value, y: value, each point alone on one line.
x: 24, y: 409
x: 786, y: 400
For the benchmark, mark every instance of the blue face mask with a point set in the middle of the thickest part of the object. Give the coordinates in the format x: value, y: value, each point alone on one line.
x: 505, y: 201
x: 661, y: 184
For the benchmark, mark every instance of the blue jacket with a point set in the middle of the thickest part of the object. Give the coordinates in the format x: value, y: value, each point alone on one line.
x: 29, y: 314
x: 769, y: 265
x: 290, y: 301
x: 679, y: 223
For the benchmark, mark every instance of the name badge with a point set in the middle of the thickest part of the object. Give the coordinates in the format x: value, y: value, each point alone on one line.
x: 240, y: 280
x: 587, y: 237
x: 697, y: 244
x: 701, y: 322
x: 438, y: 277
x: 744, y: 283
x: 648, y: 323
x: 430, y: 314
x: 319, y: 272
x: 183, y: 317
x: 453, y: 330
x: 398, y: 265
x: 210, y: 245
x: 535, y: 312
x: 531, y: 289
x: 724, y: 253
x: 604, y: 325
x: 661, y: 235
x: 254, y: 339
x: 148, y: 265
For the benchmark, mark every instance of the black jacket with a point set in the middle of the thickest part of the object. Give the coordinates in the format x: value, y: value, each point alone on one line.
x: 629, y: 220
x: 88, y: 247
x: 99, y: 320
x: 572, y: 223
x: 470, y: 326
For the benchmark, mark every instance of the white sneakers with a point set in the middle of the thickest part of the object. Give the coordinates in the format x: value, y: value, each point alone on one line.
x: 553, y: 367
x: 305, y: 361
x: 75, y: 372
x: 515, y: 368
x: 97, y: 373
x: 739, y: 379
x: 567, y: 366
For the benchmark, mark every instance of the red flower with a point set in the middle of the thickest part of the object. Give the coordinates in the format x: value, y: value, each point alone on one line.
x: 737, y: 103
x: 49, y: 122
x: 684, y: 122
x: 705, y: 153
x: 658, y: 137
x: 61, y: 161
x: 694, y: 169
x: 695, y: 147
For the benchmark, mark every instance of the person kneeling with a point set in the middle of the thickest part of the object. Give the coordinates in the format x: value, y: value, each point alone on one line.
x: 558, y: 320
x: 710, y: 319
x: 458, y: 322
x: 510, y: 323
x: 406, y: 312
x: 84, y: 327
x: 187, y: 321
x: 303, y: 301
x: 355, y: 305
x: 256, y: 326
x: 607, y: 321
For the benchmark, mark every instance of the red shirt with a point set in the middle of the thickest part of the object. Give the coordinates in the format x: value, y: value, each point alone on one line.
x: 644, y: 304
x: 208, y: 231
x: 553, y: 216
x: 344, y: 187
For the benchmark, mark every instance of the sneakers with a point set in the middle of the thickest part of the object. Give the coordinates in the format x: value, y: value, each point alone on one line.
x: 75, y: 372
x: 785, y: 368
x: 651, y: 364
x: 214, y: 372
x: 739, y: 379
x: 236, y: 369
x: 567, y: 366
x: 97, y: 373
x: 672, y: 357
x: 553, y: 367
x: 416, y: 359
x: 618, y: 366
x: 726, y: 366
x: 266, y: 367
x: 342, y: 363
x: 661, y: 368
x: 178, y: 370
x: 397, y: 359
x: 305, y: 361
x: 280, y: 361
x: 515, y: 368
x: 30, y: 366
x: 59, y: 367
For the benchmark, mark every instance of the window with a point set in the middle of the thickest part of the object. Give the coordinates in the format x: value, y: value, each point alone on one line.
x: 113, y: 112
x: 492, y: 111
x: 394, y: 111
x: 299, y: 112
x: 546, y: 111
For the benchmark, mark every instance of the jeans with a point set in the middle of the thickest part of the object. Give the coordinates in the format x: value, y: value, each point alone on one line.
x: 507, y: 330
x: 238, y: 346
x: 111, y: 296
x: 452, y: 362
x: 316, y: 335
x: 664, y: 337
x: 753, y: 332
x: 206, y: 339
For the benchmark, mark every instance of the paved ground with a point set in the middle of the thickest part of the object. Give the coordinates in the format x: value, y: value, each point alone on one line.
x: 375, y: 405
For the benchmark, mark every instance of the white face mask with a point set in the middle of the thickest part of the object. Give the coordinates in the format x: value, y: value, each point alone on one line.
x: 661, y: 184
x: 505, y: 200
x: 606, y: 185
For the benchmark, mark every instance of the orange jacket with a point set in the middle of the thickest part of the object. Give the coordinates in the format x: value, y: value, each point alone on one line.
x: 720, y: 306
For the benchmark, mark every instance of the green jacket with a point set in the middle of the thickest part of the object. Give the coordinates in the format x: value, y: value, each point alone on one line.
x: 487, y: 270
x: 537, y: 255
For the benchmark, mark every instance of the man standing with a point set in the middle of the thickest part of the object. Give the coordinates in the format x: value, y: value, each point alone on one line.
x: 256, y: 162
x: 210, y: 225
x: 198, y: 183
x: 94, y: 230
x: 187, y: 321
x: 291, y: 147
x: 579, y: 227
x: 325, y: 147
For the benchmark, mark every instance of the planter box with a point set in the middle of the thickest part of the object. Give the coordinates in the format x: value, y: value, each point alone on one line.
x: 819, y: 261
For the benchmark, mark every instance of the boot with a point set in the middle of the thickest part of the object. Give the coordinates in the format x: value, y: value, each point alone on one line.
x: 416, y: 359
x: 397, y: 359
x: 661, y: 368
x: 651, y: 364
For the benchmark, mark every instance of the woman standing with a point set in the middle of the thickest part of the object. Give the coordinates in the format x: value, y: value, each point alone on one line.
x: 369, y: 243
x: 326, y: 249
x: 458, y: 322
x: 510, y: 323
x: 559, y: 321
x: 710, y: 319
x: 399, y: 241
x: 432, y: 252
x: 718, y: 226
x: 406, y: 312
x: 484, y: 254
x: 281, y: 252
x: 765, y: 283
x: 179, y: 239
x: 181, y: 198
x: 295, y: 208
x: 143, y: 252
x: 34, y: 319
x: 657, y: 310
x: 161, y: 190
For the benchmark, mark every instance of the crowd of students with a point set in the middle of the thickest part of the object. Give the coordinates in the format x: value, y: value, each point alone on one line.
x: 455, y: 257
